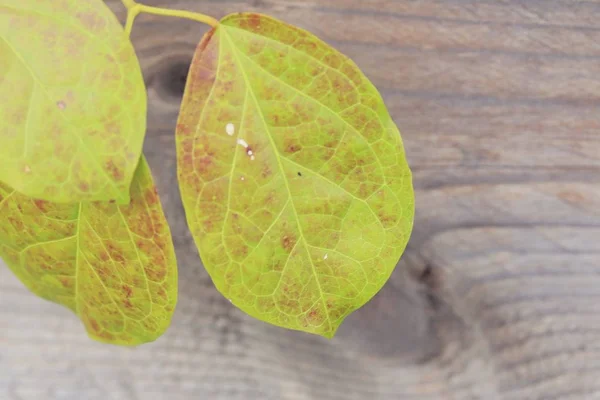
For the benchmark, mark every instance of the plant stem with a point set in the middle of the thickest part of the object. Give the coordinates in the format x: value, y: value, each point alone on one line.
x: 134, y: 9
x: 180, y: 14
x: 131, y: 14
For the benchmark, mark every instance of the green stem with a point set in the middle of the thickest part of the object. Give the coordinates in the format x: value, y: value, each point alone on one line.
x: 131, y: 14
x: 134, y: 9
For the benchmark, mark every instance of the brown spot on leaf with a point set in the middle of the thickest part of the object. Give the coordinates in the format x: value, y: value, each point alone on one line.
x: 251, y: 22
x: 287, y: 305
x: 255, y: 47
x: 334, y: 60
x: 162, y: 294
x: 278, y: 265
x: 66, y: 282
x: 115, y: 172
x: 90, y: 20
x: 112, y: 128
x: 106, y: 336
x: 387, y: 219
x: 270, y: 198
x: 314, y: 317
x: 16, y: 223
x: 103, y: 271
x: 205, y: 39
x: 314, y: 70
x: 266, y: 171
x: 151, y: 196
x: 115, y: 253
x: 203, y: 164
x: 94, y: 325
x: 137, y: 281
x: 183, y: 129
x: 155, y: 270
x: 293, y: 148
x: 306, y: 45
x: 364, y: 190
x: 288, y: 242
x: 187, y: 159
x: 41, y: 205
x: 240, y: 251
x: 127, y: 291
x: 227, y: 87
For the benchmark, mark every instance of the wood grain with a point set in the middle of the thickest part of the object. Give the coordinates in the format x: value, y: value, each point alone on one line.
x: 498, y: 294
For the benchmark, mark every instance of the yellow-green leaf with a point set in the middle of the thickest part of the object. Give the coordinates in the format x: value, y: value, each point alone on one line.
x: 73, y: 111
x: 292, y: 174
x: 113, y: 265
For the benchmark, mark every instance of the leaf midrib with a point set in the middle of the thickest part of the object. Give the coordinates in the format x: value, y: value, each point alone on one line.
x: 277, y: 157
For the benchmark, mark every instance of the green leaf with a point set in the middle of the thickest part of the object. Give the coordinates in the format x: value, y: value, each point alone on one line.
x: 113, y: 265
x: 292, y: 174
x: 73, y: 111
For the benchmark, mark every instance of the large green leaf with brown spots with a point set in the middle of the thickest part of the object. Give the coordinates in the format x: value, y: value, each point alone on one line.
x: 73, y: 114
x: 292, y: 174
x: 113, y: 265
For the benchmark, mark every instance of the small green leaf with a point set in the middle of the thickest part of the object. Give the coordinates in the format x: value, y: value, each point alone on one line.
x: 292, y: 173
x: 73, y: 111
x: 113, y: 265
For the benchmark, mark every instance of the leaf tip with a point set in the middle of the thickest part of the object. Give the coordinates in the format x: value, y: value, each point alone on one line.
x: 328, y: 335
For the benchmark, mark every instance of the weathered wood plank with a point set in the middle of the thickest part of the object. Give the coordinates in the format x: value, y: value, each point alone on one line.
x: 496, y: 296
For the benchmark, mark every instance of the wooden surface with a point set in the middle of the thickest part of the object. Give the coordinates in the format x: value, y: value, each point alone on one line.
x: 498, y: 294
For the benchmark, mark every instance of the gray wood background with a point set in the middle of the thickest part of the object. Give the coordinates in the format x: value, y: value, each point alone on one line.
x: 498, y: 293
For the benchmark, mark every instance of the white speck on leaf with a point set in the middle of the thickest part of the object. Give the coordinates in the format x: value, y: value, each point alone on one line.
x: 230, y: 129
x: 249, y: 152
x: 325, y: 256
x: 251, y: 158
x: 242, y: 178
x: 243, y: 143
x: 27, y: 169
